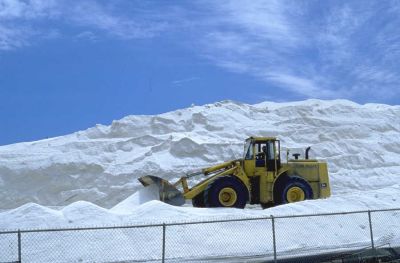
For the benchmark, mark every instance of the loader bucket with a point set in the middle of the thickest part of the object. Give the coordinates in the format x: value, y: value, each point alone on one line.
x: 166, y: 191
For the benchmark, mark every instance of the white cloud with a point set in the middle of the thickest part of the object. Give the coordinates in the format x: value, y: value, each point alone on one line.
x: 87, y: 35
x: 182, y: 81
x: 31, y: 9
x: 299, y: 85
x: 265, y: 19
x: 375, y: 74
x: 92, y: 14
x: 15, y: 31
x: 15, y: 15
x: 335, y: 40
x: 11, y: 8
x: 14, y: 38
x: 258, y: 38
x: 18, y: 18
x: 342, y: 50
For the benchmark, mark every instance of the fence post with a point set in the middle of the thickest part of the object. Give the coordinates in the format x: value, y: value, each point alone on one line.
x: 19, y: 246
x: 273, y: 237
x: 371, y: 232
x: 163, y: 243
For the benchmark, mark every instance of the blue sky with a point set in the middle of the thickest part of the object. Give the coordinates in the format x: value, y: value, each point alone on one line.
x: 67, y: 65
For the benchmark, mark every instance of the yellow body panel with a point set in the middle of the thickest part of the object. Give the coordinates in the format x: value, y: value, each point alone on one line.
x: 249, y: 167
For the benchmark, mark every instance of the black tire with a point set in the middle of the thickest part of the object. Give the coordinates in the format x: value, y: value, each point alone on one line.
x: 198, y: 200
x: 293, y: 182
x: 218, y: 186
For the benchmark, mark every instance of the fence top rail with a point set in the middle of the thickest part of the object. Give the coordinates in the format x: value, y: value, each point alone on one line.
x: 6, y: 232
x: 82, y: 228
x: 341, y: 213
x: 192, y: 222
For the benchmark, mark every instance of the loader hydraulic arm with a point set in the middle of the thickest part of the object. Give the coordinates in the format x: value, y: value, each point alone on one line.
x: 183, y: 181
x: 206, y: 171
x: 216, y: 168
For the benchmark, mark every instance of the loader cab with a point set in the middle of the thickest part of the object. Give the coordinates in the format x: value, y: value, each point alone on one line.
x: 262, y: 154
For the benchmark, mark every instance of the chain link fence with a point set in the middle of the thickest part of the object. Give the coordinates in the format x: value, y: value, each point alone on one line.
x: 333, y: 237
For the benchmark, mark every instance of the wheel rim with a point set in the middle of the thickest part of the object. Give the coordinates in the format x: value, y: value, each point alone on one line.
x: 227, y: 196
x: 295, y: 194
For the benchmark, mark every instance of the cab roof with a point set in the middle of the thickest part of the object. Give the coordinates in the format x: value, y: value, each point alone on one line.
x: 255, y: 138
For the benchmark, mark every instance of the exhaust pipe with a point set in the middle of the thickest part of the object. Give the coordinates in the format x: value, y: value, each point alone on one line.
x: 307, y: 150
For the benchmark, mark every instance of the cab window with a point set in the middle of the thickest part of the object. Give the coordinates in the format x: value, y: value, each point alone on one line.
x: 271, y: 151
x: 248, y: 150
x: 260, y: 149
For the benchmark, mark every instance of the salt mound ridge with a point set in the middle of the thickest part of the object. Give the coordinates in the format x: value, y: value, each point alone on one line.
x: 137, y: 210
x: 101, y: 165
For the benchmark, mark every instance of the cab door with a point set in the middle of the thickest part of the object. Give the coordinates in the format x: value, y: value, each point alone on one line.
x: 249, y: 167
x: 270, y: 157
x: 265, y: 168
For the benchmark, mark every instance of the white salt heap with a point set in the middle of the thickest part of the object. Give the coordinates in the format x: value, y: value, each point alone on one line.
x: 361, y: 144
x: 142, y: 196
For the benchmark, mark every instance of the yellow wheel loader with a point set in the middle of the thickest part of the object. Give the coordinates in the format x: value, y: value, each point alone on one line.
x: 258, y: 178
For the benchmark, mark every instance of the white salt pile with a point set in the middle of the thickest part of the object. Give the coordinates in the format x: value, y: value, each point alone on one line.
x: 88, y: 170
